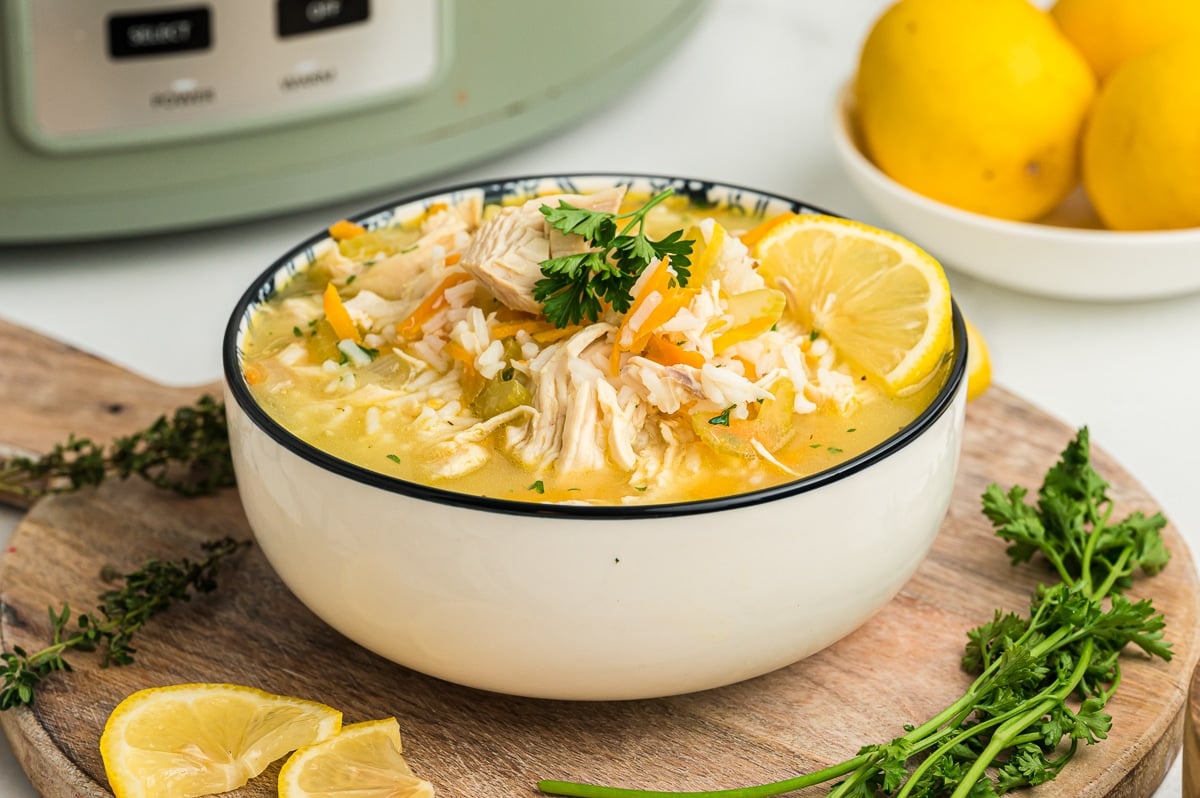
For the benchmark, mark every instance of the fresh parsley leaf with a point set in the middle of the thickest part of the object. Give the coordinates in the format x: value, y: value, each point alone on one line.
x: 575, y: 288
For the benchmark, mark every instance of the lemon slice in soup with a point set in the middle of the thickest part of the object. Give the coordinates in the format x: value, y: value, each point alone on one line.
x: 880, y: 300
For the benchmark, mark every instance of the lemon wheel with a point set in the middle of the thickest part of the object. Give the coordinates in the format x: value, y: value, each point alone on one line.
x: 202, y: 739
x: 880, y: 299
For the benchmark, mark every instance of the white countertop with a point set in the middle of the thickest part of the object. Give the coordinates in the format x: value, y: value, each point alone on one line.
x: 747, y: 99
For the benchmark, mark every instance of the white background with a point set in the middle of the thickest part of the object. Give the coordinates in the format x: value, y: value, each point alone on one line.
x: 747, y: 99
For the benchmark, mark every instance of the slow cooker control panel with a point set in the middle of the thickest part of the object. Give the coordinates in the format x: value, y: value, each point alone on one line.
x: 94, y: 74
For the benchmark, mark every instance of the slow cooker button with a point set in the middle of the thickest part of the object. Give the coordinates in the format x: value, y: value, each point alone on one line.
x: 159, y: 33
x: 294, y: 17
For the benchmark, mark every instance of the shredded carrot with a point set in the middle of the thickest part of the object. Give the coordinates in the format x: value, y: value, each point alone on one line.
x: 253, y: 374
x: 759, y: 232
x: 530, y: 325
x: 674, y: 300
x: 343, y: 229
x: 436, y: 207
x: 671, y: 301
x: 751, y: 371
x: 453, y: 258
x: 410, y: 327
x: 455, y: 350
x: 554, y: 334
x: 659, y: 282
x: 472, y: 380
x: 663, y: 350
x: 338, y: 317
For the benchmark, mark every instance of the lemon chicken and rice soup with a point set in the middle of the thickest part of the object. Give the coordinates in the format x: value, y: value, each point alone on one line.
x: 774, y: 349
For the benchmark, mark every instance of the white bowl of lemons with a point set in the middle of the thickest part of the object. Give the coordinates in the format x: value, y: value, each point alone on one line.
x: 1031, y: 180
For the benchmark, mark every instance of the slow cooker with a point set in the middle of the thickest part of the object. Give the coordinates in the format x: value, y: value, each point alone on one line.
x: 133, y: 116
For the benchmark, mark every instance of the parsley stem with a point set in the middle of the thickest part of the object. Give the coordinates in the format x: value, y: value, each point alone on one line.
x: 1119, y: 569
x: 580, y: 790
x: 1089, y: 551
x: 639, y: 215
x: 1010, y: 729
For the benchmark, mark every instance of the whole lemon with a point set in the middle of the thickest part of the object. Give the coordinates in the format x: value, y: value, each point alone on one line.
x: 978, y: 104
x: 1110, y: 32
x: 1141, y: 145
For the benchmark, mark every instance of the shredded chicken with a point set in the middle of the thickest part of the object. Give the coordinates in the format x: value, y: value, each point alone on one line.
x: 505, y: 255
x: 418, y: 268
x: 581, y: 407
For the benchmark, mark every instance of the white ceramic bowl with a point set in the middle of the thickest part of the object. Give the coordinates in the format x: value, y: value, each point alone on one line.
x: 1065, y: 256
x: 585, y: 602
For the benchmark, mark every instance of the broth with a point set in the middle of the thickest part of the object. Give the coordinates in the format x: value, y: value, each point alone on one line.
x: 430, y: 395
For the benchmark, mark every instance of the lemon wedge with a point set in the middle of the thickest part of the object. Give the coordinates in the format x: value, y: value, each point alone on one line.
x: 880, y: 299
x: 365, y: 760
x: 200, y: 739
x: 979, y: 363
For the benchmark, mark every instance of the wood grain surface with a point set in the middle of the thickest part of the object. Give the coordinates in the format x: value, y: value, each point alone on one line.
x: 1191, y: 740
x: 49, y: 389
x: 900, y: 667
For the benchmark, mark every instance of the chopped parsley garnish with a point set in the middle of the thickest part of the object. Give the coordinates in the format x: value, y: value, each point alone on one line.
x: 296, y: 332
x: 395, y: 458
x: 723, y: 419
x: 538, y: 487
x: 574, y: 287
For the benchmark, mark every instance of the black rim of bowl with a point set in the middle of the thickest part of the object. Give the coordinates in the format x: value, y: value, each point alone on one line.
x: 260, y: 291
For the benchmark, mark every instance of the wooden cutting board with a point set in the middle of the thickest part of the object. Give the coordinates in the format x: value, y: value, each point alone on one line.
x: 901, y: 667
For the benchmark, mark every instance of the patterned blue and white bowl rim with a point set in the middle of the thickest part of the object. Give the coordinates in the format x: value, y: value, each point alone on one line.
x: 725, y: 197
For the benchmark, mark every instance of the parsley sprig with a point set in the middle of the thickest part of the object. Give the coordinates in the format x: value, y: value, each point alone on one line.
x: 1042, y: 680
x: 187, y: 453
x: 120, y: 613
x: 575, y: 287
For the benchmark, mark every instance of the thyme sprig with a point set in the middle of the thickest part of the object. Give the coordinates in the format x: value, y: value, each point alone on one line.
x: 1042, y: 680
x: 187, y: 453
x: 121, y: 613
x: 575, y: 287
